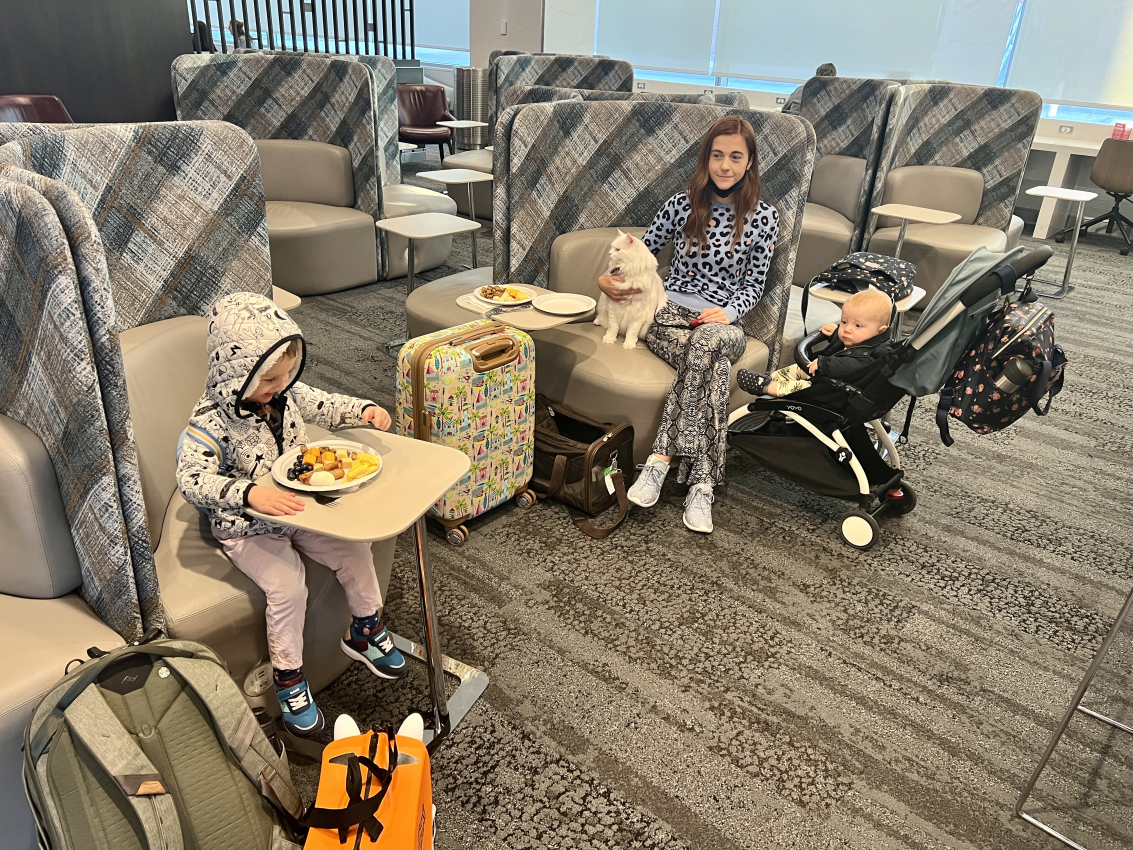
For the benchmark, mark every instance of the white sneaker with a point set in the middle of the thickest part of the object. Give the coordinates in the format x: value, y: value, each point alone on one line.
x: 698, y: 508
x: 646, y: 490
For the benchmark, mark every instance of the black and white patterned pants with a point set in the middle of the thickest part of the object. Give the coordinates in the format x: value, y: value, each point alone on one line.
x: 694, y: 426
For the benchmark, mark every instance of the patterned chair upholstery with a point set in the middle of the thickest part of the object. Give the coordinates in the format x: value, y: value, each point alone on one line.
x: 124, y: 235
x: 614, y: 165
x: 937, y: 140
x: 560, y: 71
x: 848, y: 116
x: 332, y: 101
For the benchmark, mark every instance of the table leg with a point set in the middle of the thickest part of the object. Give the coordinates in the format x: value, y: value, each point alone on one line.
x: 1065, y: 287
x: 472, y: 217
x: 1045, y: 224
x: 394, y: 345
x: 447, y: 713
x: 901, y: 238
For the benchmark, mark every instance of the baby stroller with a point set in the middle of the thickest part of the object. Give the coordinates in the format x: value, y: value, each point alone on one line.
x: 832, y: 438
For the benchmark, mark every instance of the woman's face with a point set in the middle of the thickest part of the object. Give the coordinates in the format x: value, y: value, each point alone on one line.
x: 729, y: 160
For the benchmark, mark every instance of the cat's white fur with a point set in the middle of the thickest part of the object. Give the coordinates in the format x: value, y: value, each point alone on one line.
x: 629, y: 258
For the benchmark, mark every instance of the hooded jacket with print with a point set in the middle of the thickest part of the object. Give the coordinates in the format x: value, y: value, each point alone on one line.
x: 227, y: 445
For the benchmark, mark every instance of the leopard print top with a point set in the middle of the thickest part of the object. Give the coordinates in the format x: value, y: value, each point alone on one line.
x: 717, y: 274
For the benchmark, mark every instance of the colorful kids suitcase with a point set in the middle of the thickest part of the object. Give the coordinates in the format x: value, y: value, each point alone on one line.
x: 472, y: 387
x: 375, y: 793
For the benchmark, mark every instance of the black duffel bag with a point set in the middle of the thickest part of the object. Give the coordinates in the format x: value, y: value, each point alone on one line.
x: 582, y: 463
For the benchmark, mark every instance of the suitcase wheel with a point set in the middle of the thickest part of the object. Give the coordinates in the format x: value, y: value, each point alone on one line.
x: 457, y: 536
x: 525, y: 499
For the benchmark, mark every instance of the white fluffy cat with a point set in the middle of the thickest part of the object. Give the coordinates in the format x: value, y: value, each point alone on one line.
x: 629, y: 258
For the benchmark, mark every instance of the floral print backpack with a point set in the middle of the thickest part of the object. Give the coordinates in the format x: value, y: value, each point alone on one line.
x: 1013, y: 366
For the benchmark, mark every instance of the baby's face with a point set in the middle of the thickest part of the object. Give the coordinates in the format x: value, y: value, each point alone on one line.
x: 273, y: 381
x: 859, y: 325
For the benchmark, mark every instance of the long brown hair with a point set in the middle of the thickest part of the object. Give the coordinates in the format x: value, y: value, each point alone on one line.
x: 700, y: 186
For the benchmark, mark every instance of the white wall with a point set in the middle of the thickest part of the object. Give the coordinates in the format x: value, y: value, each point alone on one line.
x: 524, y: 27
x: 568, y: 26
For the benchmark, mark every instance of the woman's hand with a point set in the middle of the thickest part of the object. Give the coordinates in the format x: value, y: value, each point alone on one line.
x: 608, y: 283
x: 273, y: 502
x: 714, y: 316
x: 377, y: 417
x: 828, y: 329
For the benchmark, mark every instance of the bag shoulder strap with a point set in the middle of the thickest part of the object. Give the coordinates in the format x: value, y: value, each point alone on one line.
x: 240, y: 732
x: 91, y: 721
x: 584, y: 524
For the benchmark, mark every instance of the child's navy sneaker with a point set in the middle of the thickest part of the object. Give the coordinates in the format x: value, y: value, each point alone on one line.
x: 377, y: 652
x: 301, y: 716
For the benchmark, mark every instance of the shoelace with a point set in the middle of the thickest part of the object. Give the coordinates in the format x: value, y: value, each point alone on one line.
x: 385, y: 644
x: 298, y: 702
x: 656, y: 473
x: 694, y: 497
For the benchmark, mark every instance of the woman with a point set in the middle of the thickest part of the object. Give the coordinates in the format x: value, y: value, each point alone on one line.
x: 723, y: 237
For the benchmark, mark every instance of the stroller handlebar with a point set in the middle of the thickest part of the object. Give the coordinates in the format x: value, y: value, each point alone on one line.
x: 1003, y: 277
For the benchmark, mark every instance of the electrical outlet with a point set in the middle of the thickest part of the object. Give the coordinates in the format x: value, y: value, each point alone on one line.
x: 641, y: 85
x: 779, y: 101
x: 1065, y: 129
x: 503, y: 27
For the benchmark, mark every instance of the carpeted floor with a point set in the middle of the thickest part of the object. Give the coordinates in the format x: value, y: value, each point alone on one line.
x: 767, y: 686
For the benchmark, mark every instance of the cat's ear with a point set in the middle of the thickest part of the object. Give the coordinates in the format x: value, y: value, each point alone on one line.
x: 629, y: 239
x: 620, y: 234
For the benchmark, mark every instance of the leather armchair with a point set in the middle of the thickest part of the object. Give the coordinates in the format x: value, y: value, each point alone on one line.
x: 936, y: 249
x: 33, y: 109
x: 419, y: 108
x: 44, y: 624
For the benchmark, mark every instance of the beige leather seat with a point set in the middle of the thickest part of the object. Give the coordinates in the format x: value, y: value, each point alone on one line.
x: 319, y: 242
x: 828, y: 218
x: 573, y: 365
x: 206, y: 598
x: 477, y: 160
x: 936, y: 249
x: 404, y: 199
x: 43, y: 622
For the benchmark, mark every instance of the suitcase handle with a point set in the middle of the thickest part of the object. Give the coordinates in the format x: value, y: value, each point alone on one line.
x: 494, y: 353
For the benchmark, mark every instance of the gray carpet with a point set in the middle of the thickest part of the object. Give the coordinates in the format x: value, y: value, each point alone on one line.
x: 767, y: 686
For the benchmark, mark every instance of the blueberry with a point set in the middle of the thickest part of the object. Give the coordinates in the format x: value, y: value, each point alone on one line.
x: 291, y: 475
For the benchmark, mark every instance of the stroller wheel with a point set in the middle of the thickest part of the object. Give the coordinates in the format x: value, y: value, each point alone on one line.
x: 907, y: 502
x: 859, y: 529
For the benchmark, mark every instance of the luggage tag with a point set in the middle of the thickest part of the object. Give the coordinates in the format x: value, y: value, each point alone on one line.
x: 609, y: 472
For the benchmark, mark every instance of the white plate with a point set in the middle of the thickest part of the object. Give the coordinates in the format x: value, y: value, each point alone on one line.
x: 285, y: 461
x: 563, y: 303
x: 523, y: 289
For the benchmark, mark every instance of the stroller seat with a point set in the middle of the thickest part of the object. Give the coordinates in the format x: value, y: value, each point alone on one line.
x: 830, y: 437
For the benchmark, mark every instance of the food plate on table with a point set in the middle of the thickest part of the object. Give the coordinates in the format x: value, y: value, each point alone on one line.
x: 349, y: 464
x: 501, y: 295
x: 563, y: 303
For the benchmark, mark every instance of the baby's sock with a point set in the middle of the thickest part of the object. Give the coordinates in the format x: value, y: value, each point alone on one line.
x: 364, y: 627
x: 288, y: 678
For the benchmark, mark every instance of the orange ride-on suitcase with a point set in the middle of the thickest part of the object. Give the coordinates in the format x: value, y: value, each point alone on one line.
x: 375, y: 793
x: 472, y: 387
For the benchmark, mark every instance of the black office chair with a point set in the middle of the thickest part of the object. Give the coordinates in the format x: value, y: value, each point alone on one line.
x: 1113, y: 172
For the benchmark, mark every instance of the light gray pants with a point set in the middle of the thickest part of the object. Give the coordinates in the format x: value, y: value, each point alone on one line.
x: 272, y: 562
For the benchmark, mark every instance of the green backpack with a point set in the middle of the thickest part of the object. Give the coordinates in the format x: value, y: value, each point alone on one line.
x: 152, y: 747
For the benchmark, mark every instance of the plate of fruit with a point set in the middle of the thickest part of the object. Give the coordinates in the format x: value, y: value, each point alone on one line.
x: 330, y: 466
x: 503, y: 294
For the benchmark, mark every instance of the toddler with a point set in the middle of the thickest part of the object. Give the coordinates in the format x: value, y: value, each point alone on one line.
x: 253, y: 411
x: 863, y: 335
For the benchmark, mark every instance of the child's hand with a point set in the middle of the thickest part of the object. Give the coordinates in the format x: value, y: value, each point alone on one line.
x: 828, y: 329
x: 813, y: 367
x: 274, y: 502
x: 377, y: 417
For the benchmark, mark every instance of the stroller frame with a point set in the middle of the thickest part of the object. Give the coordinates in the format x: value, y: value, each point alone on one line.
x: 840, y: 434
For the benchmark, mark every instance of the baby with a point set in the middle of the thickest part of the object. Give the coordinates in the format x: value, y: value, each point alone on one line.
x: 251, y: 413
x: 862, y: 337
